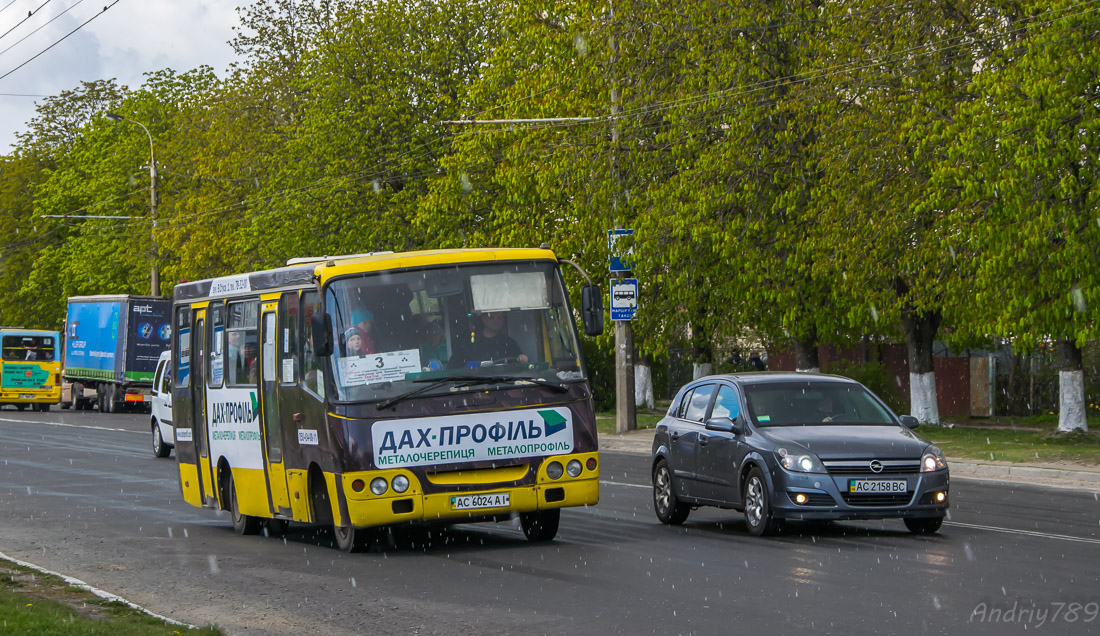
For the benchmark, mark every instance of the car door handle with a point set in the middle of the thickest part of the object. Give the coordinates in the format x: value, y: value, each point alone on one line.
x: 703, y: 441
x: 674, y: 436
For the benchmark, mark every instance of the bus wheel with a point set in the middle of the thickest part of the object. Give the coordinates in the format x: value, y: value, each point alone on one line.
x: 20, y: 407
x: 276, y: 527
x: 43, y: 408
x: 541, y: 525
x: 242, y: 524
x: 352, y: 539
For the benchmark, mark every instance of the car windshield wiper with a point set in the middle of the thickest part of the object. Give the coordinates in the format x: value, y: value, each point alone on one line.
x: 470, y: 380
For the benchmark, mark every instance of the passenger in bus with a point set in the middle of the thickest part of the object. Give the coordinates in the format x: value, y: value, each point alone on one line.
x: 364, y: 322
x: 489, y: 343
x: 248, y: 355
x: 433, y: 350
x: 31, y: 353
x: 353, y: 343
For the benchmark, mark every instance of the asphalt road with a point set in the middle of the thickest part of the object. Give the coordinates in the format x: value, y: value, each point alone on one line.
x: 82, y: 494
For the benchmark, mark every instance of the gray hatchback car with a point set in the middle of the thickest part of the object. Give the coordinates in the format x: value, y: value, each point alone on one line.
x: 781, y: 446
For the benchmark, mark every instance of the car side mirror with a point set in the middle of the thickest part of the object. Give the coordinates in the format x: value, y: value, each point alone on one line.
x: 724, y: 425
x: 321, y: 333
x: 908, y: 421
x: 592, y: 310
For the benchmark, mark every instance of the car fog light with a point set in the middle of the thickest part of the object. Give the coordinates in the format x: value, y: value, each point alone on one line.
x: 400, y: 483
x: 554, y: 470
x: 358, y: 485
x: 378, y: 485
x: 573, y: 468
x: 800, y: 498
x: 941, y: 497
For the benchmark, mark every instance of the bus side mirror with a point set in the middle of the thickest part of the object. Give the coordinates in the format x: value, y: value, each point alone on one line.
x: 321, y: 334
x: 592, y: 310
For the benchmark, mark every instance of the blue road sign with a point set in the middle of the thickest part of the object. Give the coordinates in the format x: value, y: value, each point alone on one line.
x: 624, y: 298
x: 620, y: 248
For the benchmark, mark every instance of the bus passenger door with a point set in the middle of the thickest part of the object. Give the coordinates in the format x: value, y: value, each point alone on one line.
x: 272, y: 425
x: 198, y: 405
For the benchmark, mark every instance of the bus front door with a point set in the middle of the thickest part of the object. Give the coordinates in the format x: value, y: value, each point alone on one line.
x: 272, y: 425
x: 198, y: 405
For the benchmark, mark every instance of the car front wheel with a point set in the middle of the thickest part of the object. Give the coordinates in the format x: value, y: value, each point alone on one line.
x: 669, y: 509
x: 758, y: 511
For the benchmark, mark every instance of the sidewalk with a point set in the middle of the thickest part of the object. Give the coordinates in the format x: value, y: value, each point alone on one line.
x: 640, y: 442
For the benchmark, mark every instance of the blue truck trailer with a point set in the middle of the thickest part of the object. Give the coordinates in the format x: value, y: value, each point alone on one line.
x: 112, y: 344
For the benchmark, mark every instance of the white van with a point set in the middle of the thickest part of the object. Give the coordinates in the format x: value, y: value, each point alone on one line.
x: 164, y: 436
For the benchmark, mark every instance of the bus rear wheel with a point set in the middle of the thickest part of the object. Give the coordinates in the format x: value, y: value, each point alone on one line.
x: 541, y: 525
x: 242, y: 524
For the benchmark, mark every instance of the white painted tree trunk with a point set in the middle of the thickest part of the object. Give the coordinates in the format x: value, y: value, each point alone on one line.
x: 700, y: 369
x: 922, y: 398
x: 810, y: 370
x: 643, y: 386
x: 1071, y: 401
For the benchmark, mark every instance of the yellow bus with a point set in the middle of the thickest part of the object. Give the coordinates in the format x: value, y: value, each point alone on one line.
x: 30, y: 368
x: 358, y: 392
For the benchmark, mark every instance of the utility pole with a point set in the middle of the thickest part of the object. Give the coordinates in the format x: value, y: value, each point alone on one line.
x: 625, y: 408
x: 154, y: 274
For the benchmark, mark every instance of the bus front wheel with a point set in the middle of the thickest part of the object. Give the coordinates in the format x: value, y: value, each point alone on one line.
x: 541, y: 525
x: 352, y: 539
x: 242, y: 524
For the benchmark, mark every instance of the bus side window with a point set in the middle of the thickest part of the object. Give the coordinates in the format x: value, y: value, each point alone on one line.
x: 182, y: 357
x: 288, y: 341
x: 216, y: 346
x: 313, y: 374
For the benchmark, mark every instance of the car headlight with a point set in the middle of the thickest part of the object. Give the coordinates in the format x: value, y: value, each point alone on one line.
x: 932, y: 460
x: 799, y: 462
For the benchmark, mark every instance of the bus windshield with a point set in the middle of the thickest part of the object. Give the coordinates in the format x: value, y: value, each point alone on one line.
x: 393, y: 332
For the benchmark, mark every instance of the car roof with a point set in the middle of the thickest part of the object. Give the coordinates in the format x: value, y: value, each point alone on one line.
x: 773, y: 377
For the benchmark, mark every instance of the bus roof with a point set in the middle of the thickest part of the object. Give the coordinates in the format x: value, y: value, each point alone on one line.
x: 306, y: 273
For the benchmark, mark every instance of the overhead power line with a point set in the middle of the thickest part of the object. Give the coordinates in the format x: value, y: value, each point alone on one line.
x: 62, y: 39
x: 44, y: 25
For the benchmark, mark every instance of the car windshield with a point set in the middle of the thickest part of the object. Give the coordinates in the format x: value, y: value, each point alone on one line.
x: 399, y: 332
x: 814, y: 404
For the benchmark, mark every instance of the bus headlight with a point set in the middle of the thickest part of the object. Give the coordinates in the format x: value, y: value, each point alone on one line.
x: 378, y: 485
x: 573, y: 468
x: 554, y: 470
x: 400, y: 484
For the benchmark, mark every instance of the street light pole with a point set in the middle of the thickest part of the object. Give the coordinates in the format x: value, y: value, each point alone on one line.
x: 154, y: 274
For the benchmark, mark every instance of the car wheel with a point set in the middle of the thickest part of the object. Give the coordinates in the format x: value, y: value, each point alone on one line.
x: 160, y: 449
x: 541, y: 525
x: 924, y: 525
x: 352, y: 539
x: 242, y: 524
x: 669, y: 509
x: 758, y: 510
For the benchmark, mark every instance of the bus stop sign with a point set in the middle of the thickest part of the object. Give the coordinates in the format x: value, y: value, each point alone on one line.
x: 624, y: 298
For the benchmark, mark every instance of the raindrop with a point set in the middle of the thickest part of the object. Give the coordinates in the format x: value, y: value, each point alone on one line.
x: 936, y: 602
x: 969, y: 552
x: 376, y: 186
x: 580, y: 44
x: 353, y: 582
x: 212, y: 560
x: 464, y: 179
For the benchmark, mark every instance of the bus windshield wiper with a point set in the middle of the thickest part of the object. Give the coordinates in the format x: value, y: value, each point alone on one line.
x: 469, y: 380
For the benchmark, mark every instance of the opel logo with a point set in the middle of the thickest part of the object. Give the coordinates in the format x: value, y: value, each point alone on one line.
x: 876, y: 466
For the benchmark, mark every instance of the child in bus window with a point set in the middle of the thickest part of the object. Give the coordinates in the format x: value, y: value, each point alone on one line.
x: 353, y: 343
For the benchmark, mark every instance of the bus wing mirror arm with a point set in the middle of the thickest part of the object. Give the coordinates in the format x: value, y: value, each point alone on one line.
x: 592, y: 310
x: 321, y: 334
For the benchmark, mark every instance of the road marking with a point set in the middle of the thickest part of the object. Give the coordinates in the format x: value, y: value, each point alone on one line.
x: 98, y: 428
x: 619, y: 483
x: 1026, y: 533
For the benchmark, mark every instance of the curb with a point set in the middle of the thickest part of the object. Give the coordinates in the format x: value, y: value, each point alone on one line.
x: 641, y: 443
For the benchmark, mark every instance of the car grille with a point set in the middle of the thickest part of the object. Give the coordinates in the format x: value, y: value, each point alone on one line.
x: 863, y: 467
x: 877, y: 499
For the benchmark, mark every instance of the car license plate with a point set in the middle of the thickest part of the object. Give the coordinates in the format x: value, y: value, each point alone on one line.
x: 26, y: 397
x: 877, y: 485
x: 475, y: 502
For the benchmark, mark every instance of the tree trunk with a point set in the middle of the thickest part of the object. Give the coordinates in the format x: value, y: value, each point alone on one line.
x: 643, y: 382
x: 1071, y: 388
x: 805, y: 354
x: 920, y: 332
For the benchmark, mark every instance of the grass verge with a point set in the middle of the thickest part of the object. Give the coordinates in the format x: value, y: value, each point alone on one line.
x: 35, y: 603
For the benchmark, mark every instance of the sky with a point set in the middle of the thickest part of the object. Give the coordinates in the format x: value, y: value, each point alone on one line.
x: 131, y: 38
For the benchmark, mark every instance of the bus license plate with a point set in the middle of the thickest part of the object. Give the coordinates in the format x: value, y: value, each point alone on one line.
x: 475, y: 502
x: 877, y: 485
x: 26, y: 397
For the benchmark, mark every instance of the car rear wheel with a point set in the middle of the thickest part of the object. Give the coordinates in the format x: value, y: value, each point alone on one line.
x: 758, y: 511
x: 541, y: 525
x: 669, y: 509
x: 924, y: 525
x: 160, y: 449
